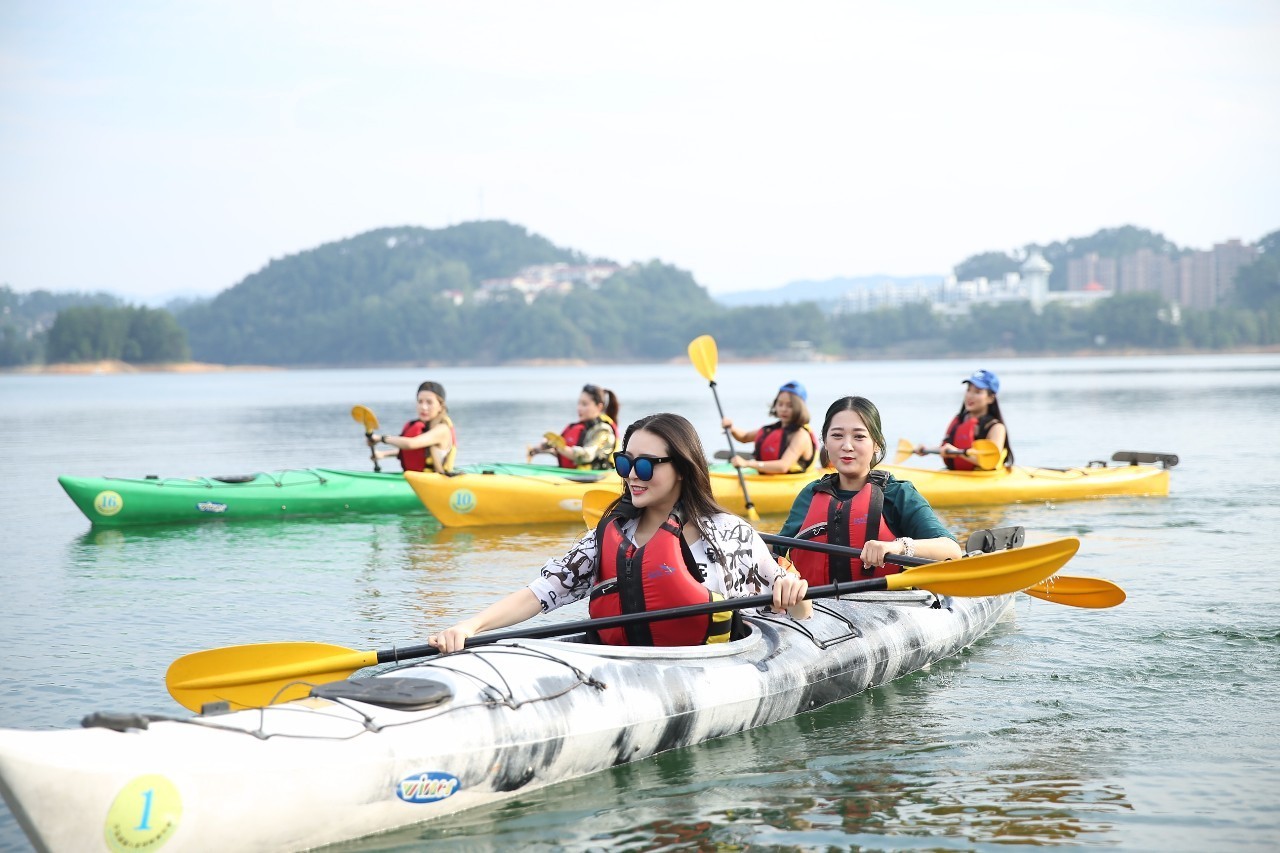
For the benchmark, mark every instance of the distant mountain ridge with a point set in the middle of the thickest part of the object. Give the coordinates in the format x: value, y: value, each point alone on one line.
x: 823, y: 292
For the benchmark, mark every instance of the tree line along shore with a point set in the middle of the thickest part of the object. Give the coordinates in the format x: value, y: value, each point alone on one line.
x: 413, y: 296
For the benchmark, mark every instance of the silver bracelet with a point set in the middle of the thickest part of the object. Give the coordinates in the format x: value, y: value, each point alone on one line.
x: 908, y: 546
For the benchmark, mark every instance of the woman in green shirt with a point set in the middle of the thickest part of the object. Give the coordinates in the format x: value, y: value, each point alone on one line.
x: 841, y: 507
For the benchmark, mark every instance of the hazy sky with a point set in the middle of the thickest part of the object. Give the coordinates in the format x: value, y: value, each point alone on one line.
x: 158, y: 147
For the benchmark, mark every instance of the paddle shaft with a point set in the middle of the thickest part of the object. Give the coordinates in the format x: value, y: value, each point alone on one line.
x: 566, y: 628
x: 365, y: 417
x: 1079, y: 594
x: 728, y: 435
x: 840, y: 550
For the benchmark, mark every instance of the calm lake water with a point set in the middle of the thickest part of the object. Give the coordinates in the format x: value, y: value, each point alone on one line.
x: 1152, y: 726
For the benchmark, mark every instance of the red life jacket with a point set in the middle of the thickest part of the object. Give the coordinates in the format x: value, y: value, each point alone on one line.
x: 420, y: 458
x: 573, y: 433
x: 842, y: 523
x: 772, y: 441
x: 659, y: 575
x: 962, y: 433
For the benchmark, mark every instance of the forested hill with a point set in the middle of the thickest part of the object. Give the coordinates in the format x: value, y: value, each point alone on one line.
x: 376, y: 297
x: 399, y: 295
x: 415, y: 295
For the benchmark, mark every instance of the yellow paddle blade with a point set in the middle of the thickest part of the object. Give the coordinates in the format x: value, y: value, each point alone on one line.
x: 1078, y: 591
x: 905, y: 449
x: 261, y: 674
x: 365, y: 417
x: 997, y: 573
x: 984, y: 454
x: 705, y: 358
x: 594, y: 504
x: 554, y: 439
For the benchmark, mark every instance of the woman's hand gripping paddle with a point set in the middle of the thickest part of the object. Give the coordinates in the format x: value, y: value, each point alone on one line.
x: 1073, y: 591
x: 984, y: 454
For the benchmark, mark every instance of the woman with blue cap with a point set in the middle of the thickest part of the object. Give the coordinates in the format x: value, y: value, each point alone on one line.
x: 979, y: 418
x: 786, y: 446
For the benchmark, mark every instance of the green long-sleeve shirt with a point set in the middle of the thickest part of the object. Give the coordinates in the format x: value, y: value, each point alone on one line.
x: 905, y: 510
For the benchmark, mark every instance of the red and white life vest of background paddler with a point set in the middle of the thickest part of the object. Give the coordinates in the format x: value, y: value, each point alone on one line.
x: 773, y: 439
x: 420, y: 458
x: 842, y: 523
x: 658, y: 575
x: 962, y: 433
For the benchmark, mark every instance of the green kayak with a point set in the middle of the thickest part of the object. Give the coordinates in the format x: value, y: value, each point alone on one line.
x: 118, y: 502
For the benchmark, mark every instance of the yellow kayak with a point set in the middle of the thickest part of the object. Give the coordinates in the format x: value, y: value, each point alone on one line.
x: 1142, y: 475
x: 477, y: 500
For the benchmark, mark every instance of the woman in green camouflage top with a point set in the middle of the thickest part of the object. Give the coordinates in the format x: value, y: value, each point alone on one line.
x: 590, y: 441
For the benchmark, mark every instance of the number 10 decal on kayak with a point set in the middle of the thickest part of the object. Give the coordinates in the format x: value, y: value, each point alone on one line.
x: 462, y: 501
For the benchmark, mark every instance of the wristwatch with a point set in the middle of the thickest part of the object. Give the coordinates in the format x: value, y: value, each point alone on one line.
x: 908, y: 546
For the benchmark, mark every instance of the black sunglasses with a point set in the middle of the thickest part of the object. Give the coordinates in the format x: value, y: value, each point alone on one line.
x: 643, y: 465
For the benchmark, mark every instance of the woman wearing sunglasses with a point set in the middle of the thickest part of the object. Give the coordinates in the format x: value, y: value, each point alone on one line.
x: 786, y: 446
x: 665, y: 542
x: 589, y: 441
x: 861, y: 507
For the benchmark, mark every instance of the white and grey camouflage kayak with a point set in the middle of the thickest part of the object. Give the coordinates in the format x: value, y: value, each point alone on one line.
x: 419, y: 742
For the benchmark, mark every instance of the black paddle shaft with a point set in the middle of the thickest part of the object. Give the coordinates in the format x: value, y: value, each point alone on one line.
x: 742, y: 480
x: 840, y: 550
x: 566, y: 628
x: 373, y: 453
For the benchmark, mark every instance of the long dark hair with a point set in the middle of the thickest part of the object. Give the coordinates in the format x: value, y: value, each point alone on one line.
x: 994, y: 411
x: 604, y: 397
x: 690, y: 461
x: 870, y: 415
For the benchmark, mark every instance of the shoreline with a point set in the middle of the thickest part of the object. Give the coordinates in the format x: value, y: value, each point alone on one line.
x: 114, y: 367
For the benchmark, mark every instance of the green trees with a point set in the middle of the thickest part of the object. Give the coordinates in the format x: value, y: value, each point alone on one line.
x: 381, y: 297
x: 135, y: 335
x: 1258, y: 285
x: 988, y: 265
x: 413, y: 295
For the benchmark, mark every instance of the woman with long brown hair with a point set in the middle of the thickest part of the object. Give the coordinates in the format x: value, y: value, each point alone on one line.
x: 665, y: 542
x: 979, y: 418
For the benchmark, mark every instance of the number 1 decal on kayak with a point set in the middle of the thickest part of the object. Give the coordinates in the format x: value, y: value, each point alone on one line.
x: 143, y: 816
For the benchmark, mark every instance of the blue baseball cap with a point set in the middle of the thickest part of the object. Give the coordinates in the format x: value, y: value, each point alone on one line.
x: 984, y: 379
x: 797, y: 389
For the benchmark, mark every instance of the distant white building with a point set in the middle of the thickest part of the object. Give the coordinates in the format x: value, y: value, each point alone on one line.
x: 534, y: 281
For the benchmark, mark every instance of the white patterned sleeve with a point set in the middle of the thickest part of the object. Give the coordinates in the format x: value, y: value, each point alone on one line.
x: 744, y: 558
x: 568, y: 578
